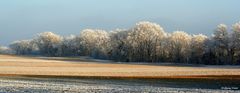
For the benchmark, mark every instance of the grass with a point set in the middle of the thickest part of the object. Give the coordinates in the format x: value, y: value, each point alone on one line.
x: 11, y: 65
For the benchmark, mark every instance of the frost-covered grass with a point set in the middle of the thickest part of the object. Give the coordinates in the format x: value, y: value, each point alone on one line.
x: 15, y: 65
x: 46, y: 85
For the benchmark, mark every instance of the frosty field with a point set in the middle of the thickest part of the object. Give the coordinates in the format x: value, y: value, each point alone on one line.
x: 42, y: 74
x: 65, y: 85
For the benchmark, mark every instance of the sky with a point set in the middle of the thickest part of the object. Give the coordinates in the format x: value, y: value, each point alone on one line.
x: 23, y: 19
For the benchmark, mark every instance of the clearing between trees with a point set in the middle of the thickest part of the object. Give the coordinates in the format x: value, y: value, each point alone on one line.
x: 11, y: 65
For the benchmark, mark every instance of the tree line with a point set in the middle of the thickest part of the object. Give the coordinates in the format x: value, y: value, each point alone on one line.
x: 145, y: 42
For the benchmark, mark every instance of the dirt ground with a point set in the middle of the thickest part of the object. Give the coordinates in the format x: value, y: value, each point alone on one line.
x: 38, y: 66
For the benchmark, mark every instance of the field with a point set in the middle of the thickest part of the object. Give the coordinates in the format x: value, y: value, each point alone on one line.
x: 62, y: 74
x: 42, y: 66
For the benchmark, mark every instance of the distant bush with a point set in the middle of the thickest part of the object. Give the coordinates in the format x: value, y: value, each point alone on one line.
x: 5, y: 50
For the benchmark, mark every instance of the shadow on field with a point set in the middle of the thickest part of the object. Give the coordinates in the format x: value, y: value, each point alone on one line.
x: 92, y: 60
x: 163, y: 82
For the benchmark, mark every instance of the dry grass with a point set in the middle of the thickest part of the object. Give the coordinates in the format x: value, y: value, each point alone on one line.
x: 30, y: 66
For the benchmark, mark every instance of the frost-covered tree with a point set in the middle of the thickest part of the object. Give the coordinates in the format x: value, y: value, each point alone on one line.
x: 95, y: 42
x: 144, y: 40
x: 209, y: 57
x: 235, y: 44
x: 180, y: 46
x: 5, y: 50
x: 221, y: 43
x: 198, y: 48
x: 23, y: 47
x: 119, y: 48
x: 48, y: 43
x: 164, y: 50
x: 70, y: 46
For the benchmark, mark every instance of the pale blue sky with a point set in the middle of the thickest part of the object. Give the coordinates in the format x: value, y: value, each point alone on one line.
x: 22, y: 19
